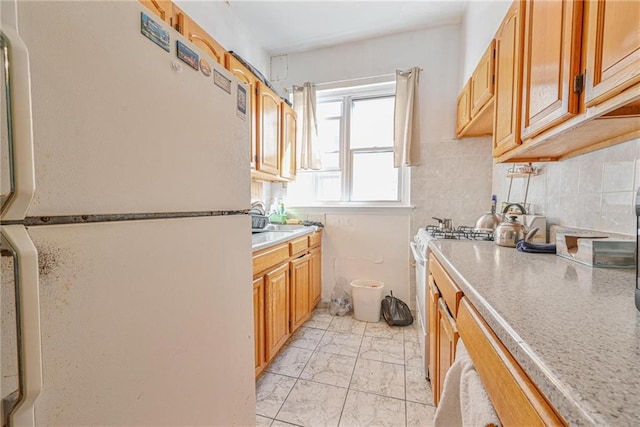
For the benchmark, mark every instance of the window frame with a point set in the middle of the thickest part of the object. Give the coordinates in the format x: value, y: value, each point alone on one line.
x: 347, y: 96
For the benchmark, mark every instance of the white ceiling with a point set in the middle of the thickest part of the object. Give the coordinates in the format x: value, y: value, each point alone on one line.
x: 294, y: 26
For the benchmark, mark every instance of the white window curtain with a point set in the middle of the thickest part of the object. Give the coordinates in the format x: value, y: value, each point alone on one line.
x: 406, y: 134
x: 304, y: 104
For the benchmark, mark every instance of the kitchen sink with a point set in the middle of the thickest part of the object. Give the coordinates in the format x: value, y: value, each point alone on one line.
x: 284, y: 227
x: 279, y: 228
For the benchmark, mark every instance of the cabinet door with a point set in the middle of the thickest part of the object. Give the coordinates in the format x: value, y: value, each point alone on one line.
x: 506, y: 127
x: 482, y: 80
x: 516, y: 399
x: 553, y: 30
x: 268, y: 130
x: 316, y: 277
x: 288, y: 144
x: 199, y: 37
x: 160, y: 8
x: 276, y: 309
x: 464, y: 108
x: 434, y: 329
x: 300, y: 283
x: 612, y: 48
x: 258, y: 324
x: 243, y: 74
x: 447, y: 340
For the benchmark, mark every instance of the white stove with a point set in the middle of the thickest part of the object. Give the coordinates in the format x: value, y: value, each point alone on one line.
x: 419, y: 248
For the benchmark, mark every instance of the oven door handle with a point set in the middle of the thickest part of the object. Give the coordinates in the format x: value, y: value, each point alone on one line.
x: 416, y: 256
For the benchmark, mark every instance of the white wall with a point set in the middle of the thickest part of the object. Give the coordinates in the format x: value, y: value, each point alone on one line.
x: 480, y: 23
x: 220, y: 21
x: 454, y: 178
x: 356, y: 247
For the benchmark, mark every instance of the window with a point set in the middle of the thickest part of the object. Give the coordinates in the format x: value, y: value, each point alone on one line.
x: 355, y: 139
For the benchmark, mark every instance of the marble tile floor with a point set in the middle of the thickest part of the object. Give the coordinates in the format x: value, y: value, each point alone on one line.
x: 338, y: 371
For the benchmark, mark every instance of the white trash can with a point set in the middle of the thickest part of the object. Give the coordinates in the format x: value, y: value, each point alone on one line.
x: 367, y: 296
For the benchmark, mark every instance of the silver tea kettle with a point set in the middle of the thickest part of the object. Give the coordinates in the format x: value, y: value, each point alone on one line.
x: 509, y: 232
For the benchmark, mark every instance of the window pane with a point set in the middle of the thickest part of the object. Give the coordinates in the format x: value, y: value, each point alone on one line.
x: 374, y: 177
x: 329, y: 186
x: 330, y: 161
x: 372, y: 123
x: 329, y: 135
x: 328, y: 109
x: 301, y: 190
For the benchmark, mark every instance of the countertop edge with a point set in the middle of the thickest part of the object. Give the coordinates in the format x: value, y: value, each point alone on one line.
x: 558, y: 393
x: 288, y: 236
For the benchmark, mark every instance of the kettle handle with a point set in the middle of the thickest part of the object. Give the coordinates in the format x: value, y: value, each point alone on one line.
x: 531, y: 234
x: 506, y: 208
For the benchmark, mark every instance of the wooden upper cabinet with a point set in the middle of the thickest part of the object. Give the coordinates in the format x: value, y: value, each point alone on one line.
x: 199, y: 37
x: 161, y: 8
x: 506, y: 125
x: 243, y: 74
x: 551, y: 64
x: 475, y: 102
x: 612, y: 48
x: 482, y: 80
x: 464, y: 108
x: 268, y: 130
x: 288, y: 144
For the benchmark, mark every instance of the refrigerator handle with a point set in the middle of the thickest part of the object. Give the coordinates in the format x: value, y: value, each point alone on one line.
x: 28, y: 324
x: 19, y: 119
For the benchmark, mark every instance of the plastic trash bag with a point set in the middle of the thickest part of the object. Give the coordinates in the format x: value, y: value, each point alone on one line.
x: 341, y: 303
x: 395, y: 311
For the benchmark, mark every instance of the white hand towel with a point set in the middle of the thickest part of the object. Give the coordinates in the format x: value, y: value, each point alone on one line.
x: 448, y: 413
x: 475, y: 406
x: 464, y: 401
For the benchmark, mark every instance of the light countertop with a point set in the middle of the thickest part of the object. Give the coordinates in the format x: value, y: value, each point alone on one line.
x: 574, y: 329
x: 272, y: 238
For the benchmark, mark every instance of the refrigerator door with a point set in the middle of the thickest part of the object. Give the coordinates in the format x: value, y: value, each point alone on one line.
x: 122, y: 126
x: 146, y: 323
x: 17, y: 184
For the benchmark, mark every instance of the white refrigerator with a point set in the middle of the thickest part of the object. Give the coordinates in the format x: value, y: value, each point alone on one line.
x: 126, y: 249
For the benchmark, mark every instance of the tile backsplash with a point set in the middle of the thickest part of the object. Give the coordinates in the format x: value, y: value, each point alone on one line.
x: 595, y: 191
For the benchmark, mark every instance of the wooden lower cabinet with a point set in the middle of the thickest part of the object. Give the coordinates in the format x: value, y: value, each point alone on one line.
x: 300, y: 286
x: 315, y: 290
x: 287, y: 285
x: 276, y: 309
x: 258, y: 324
x: 434, y: 329
x: 516, y: 399
x: 447, y: 340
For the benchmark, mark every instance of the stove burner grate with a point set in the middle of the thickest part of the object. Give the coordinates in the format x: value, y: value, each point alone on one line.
x: 460, y: 232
